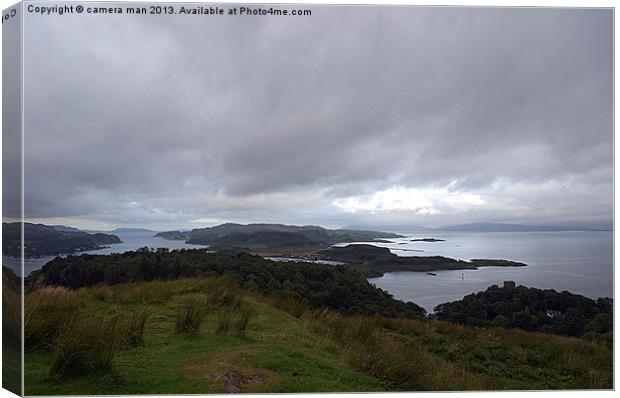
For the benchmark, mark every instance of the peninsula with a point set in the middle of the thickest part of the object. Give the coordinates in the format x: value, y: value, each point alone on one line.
x: 372, y: 261
x: 44, y: 240
x: 304, y: 242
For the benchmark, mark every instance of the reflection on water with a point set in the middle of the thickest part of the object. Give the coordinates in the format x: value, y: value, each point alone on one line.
x: 580, y: 262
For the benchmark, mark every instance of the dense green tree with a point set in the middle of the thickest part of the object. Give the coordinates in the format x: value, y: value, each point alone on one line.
x: 533, y: 310
x: 317, y: 285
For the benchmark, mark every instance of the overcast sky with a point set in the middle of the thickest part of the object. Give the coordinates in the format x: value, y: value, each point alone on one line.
x: 353, y: 116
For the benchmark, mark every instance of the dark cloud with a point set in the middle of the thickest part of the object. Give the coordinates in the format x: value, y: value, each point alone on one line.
x: 352, y: 115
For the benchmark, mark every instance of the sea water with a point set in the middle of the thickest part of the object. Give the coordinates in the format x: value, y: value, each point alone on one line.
x: 580, y: 262
x: 131, y: 241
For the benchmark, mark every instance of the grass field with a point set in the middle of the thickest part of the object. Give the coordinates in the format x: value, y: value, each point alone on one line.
x: 207, y: 336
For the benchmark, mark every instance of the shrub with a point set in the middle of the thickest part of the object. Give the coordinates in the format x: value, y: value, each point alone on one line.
x: 84, y: 346
x: 189, y: 319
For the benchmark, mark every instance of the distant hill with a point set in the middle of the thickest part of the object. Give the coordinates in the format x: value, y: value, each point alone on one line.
x: 44, y: 240
x: 498, y: 227
x: 260, y: 240
x: 122, y: 231
x: 391, y: 228
x: 131, y: 230
x: 173, y: 235
x: 272, y: 236
x: 373, y: 261
x: 489, y: 227
x: 63, y: 228
x: 105, y: 239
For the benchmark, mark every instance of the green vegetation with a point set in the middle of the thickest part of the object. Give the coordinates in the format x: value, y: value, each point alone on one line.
x: 42, y: 240
x: 237, y: 237
x: 134, y: 329
x: 11, y: 331
x: 315, y: 351
x: 533, y: 309
x: 173, y: 235
x: 83, y: 345
x: 189, y: 319
x: 373, y: 261
x: 194, y: 321
x: 263, y: 240
x: 316, y: 285
x: 264, y: 349
x: 44, y: 313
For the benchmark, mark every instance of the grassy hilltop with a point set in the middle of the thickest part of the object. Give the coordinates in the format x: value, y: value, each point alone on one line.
x: 191, y: 321
x: 208, y: 335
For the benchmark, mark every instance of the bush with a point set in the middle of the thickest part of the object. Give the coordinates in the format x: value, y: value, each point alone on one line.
x: 189, y: 319
x: 84, y: 346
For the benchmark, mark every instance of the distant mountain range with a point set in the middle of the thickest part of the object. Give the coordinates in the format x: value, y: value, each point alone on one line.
x: 391, y: 228
x: 123, y: 231
x: 495, y: 227
x: 44, y: 240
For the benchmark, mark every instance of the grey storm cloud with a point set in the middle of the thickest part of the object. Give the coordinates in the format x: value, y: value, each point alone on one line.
x: 354, y: 114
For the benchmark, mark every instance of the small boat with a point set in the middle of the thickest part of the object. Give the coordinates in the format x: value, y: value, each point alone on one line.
x: 431, y: 273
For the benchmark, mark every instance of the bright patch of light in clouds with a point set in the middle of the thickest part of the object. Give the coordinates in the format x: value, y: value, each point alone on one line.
x: 428, y: 201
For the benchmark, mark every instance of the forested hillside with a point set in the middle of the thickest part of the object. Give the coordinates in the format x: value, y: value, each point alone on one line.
x: 533, y: 310
x: 318, y: 285
x: 43, y: 240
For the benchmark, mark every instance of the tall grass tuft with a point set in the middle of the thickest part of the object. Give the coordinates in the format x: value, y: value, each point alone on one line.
x: 84, y: 346
x: 223, y: 323
x: 11, y: 316
x: 242, y: 321
x: 133, y: 329
x: 189, y: 319
x: 233, y: 314
x: 222, y: 296
x: 400, y: 364
x: 287, y: 304
x: 46, y: 310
